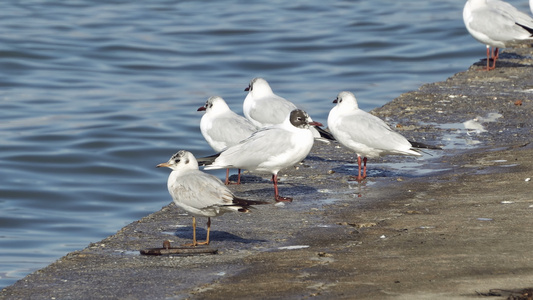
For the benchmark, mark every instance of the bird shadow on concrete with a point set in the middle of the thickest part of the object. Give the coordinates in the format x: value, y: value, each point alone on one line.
x: 503, y: 61
x: 248, y: 178
x: 285, y: 186
x: 350, y: 170
x: 286, y: 189
x: 314, y: 158
x: 375, y: 170
x: 215, y: 235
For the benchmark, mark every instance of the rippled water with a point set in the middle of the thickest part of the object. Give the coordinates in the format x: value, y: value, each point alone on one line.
x: 95, y: 93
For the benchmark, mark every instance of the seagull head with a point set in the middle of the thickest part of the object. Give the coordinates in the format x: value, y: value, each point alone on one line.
x: 182, y: 160
x: 259, y: 85
x: 300, y: 119
x: 346, y: 100
x: 214, y: 103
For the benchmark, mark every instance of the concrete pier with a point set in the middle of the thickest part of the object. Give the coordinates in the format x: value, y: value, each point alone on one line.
x: 454, y: 224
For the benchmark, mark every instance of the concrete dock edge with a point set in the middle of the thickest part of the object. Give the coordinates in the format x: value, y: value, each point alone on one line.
x: 455, y: 224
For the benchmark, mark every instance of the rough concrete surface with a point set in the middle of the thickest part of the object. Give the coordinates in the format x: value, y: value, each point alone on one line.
x: 454, y: 224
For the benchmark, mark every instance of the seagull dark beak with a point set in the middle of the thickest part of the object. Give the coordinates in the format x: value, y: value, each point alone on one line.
x: 163, y: 165
x: 202, y: 108
x: 335, y: 101
x: 315, y: 123
x: 247, y: 89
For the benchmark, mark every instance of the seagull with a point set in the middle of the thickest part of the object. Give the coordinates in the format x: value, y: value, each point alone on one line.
x: 221, y: 127
x: 199, y: 193
x: 264, y: 108
x: 366, y: 134
x: 271, y: 149
x: 496, y: 24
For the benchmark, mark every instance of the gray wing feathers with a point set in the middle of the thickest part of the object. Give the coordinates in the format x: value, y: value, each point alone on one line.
x: 374, y: 132
x: 231, y: 130
x: 201, y: 190
x: 272, y: 110
x: 501, y: 23
x: 251, y: 151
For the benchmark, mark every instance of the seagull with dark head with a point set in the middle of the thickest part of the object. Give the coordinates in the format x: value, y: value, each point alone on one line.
x: 271, y: 149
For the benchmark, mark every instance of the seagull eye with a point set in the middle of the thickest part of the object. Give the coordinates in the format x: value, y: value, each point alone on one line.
x: 340, y: 100
x: 177, y: 160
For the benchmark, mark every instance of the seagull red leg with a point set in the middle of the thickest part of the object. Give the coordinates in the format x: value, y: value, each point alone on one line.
x: 364, y: 169
x: 495, y: 57
x: 277, y: 197
x: 489, y: 54
x: 229, y: 182
x: 227, y: 177
x: 359, y: 178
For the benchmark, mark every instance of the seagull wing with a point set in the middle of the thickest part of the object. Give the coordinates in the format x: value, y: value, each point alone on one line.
x: 200, y: 190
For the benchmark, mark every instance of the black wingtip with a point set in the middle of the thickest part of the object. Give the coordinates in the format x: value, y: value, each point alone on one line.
x: 247, y: 204
x: 529, y: 29
x: 204, y: 161
x: 325, y: 134
x: 424, y: 146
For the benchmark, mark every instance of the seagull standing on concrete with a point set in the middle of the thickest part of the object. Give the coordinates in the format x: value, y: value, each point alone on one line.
x: 271, y: 149
x: 222, y: 128
x: 497, y: 24
x: 366, y: 134
x: 199, y: 193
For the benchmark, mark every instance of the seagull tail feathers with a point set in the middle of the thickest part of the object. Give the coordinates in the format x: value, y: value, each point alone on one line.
x: 325, y: 134
x: 528, y: 29
x: 424, y: 146
x: 205, y: 161
x: 420, y: 147
x: 246, y: 204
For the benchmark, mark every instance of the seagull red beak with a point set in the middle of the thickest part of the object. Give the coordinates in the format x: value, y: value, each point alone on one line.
x: 247, y: 89
x: 315, y: 123
x: 335, y: 101
x: 202, y: 108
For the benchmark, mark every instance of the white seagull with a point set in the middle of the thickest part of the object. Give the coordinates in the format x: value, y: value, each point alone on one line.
x: 222, y: 128
x: 366, y: 134
x: 497, y: 24
x: 271, y: 149
x: 199, y: 193
x: 264, y: 108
